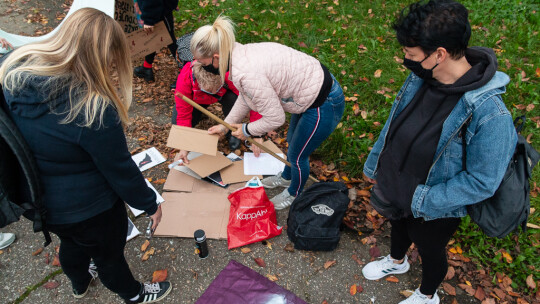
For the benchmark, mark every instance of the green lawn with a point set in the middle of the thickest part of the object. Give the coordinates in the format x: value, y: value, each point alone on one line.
x: 355, y: 41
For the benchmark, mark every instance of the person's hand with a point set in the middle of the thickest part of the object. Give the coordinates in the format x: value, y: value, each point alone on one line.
x: 5, y: 44
x: 148, y: 28
x: 256, y: 150
x: 156, y: 218
x: 219, y: 130
x: 238, y: 133
x: 183, y: 156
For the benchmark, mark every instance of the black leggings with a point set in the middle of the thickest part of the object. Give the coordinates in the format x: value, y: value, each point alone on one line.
x: 169, y: 23
x: 430, y: 237
x: 227, y: 102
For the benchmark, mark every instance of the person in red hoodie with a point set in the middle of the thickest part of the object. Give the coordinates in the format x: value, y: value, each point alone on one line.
x: 205, y: 88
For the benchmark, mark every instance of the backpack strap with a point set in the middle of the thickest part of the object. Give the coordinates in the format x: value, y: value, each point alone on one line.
x: 519, y: 122
x: 463, y: 133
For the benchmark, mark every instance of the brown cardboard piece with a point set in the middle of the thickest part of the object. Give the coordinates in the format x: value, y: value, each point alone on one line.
x: 205, y: 165
x: 272, y: 147
x: 124, y: 13
x: 183, y: 213
x: 189, y: 139
x: 142, y: 43
x: 178, y: 182
x: 235, y: 173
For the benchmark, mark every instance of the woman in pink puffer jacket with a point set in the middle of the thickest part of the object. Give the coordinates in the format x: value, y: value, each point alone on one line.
x: 273, y: 79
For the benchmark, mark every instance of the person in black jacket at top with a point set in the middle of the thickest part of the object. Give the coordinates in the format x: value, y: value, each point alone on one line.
x: 152, y: 12
x: 60, y: 95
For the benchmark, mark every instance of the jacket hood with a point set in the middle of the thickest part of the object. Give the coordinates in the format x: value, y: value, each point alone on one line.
x: 32, y: 100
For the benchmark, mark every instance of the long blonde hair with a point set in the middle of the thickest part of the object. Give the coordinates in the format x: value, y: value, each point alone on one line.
x: 80, y: 56
x: 217, y: 38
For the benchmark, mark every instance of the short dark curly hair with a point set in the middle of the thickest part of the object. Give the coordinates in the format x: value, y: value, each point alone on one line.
x: 433, y: 24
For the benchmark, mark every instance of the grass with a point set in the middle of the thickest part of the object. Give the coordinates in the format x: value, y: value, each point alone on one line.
x: 355, y: 41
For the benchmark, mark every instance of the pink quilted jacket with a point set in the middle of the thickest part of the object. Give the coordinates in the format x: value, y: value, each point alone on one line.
x: 272, y: 79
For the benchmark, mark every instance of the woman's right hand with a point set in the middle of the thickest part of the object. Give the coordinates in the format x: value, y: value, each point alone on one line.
x: 219, y: 130
x: 183, y: 156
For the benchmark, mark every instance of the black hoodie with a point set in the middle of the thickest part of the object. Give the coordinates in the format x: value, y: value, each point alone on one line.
x: 84, y: 170
x: 414, y: 134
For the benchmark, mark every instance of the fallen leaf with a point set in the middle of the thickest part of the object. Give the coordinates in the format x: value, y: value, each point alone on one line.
x: 56, y: 261
x: 530, y: 225
x: 272, y: 278
x: 159, y: 276
x: 374, y: 251
x: 260, y: 262
x: 289, y: 247
x: 449, y: 289
x: 159, y: 181
x: 147, y: 99
x: 329, y: 264
x: 145, y: 245
x: 450, y: 273
x: 530, y: 282
x: 359, y: 288
x: 488, y: 301
x: 406, y: 293
x: 480, y: 294
x: 507, y: 257
x: 392, y: 279
x: 302, y: 44
x: 537, y: 72
x: 148, y: 253
x: 355, y: 257
x: 529, y: 107
x: 377, y: 73
x: 352, y: 290
x: 51, y: 285
x: 245, y: 250
x: 37, y: 251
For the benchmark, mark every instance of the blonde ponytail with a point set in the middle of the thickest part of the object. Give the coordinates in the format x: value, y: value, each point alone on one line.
x: 217, y: 38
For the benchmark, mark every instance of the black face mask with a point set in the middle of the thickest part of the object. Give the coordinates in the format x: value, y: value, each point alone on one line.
x: 417, y: 68
x: 210, y: 68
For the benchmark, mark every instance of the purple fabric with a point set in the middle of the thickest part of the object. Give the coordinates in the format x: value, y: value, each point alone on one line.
x: 239, y: 284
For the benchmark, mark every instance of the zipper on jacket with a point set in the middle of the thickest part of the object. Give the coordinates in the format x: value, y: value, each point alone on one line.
x: 445, y: 146
x: 398, y: 100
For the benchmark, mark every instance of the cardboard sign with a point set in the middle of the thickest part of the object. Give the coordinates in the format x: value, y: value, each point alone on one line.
x: 183, y: 213
x: 205, y: 165
x: 189, y: 139
x: 141, y: 43
x: 124, y: 13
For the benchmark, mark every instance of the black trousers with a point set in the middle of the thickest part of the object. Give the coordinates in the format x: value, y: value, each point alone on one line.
x: 101, y: 238
x: 430, y: 237
x: 169, y: 23
x: 226, y: 101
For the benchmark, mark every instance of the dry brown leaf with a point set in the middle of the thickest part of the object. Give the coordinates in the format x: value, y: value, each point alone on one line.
x: 160, y: 181
x: 271, y: 277
x: 480, y: 294
x: 260, y: 262
x: 451, y: 273
x: 329, y: 264
x: 488, y: 301
x: 51, y: 285
x: 148, y: 253
x: 245, y: 250
x: 406, y: 293
x: 56, y: 261
x: 530, y: 282
x: 289, y: 247
x: 145, y: 245
x: 449, y: 289
x: 37, y: 251
x: 530, y: 225
x: 159, y: 276
x: 352, y: 290
x: 392, y: 279
x: 377, y: 73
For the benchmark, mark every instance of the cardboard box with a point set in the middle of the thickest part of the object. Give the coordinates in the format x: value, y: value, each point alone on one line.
x: 205, y: 165
x: 142, y: 43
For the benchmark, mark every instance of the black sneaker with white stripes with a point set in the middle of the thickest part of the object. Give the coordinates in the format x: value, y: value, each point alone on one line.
x: 152, y: 292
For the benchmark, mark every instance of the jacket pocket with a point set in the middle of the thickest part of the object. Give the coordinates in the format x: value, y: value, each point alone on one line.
x: 316, y: 238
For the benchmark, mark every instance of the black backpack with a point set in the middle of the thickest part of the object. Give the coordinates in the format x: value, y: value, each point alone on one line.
x: 316, y: 215
x: 509, y: 207
x: 20, y: 188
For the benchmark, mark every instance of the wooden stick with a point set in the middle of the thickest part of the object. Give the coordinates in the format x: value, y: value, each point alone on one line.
x: 228, y: 126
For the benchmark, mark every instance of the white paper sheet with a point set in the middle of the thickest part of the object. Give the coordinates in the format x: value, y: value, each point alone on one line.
x: 132, y: 230
x: 265, y: 164
x: 159, y: 200
x: 148, y: 159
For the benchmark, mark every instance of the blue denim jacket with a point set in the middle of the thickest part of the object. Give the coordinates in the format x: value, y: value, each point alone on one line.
x: 491, y: 139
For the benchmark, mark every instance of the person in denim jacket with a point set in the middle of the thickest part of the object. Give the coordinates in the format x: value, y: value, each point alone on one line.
x: 416, y: 163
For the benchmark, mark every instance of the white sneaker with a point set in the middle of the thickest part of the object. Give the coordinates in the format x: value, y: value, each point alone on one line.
x: 275, y: 181
x: 282, y: 200
x: 6, y: 239
x: 383, y: 267
x: 418, y: 298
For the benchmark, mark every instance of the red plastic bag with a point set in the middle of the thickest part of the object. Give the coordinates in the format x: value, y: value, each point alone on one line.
x: 252, y: 217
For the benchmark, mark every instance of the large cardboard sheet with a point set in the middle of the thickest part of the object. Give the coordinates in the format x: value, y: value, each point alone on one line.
x: 205, y: 165
x: 142, y: 43
x: 235, y: 173
x: 184, y: 213
x: 189, y: 139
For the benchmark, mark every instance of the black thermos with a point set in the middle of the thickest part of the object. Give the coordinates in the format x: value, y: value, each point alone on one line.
x: 200, y: 242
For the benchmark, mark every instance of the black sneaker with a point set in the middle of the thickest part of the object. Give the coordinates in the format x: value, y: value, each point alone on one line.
x: 153, y: 292
x: 142, y: 72
x: 93, y: 275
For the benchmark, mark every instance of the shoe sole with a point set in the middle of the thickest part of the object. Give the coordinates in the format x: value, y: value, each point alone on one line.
x: 162, y: 296
x: 402, y: 271
x: 85, y: 292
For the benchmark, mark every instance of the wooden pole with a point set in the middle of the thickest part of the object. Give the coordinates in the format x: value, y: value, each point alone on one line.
x: 228, y: 126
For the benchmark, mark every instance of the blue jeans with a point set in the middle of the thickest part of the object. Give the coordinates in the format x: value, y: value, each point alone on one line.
x: 306, y: 132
